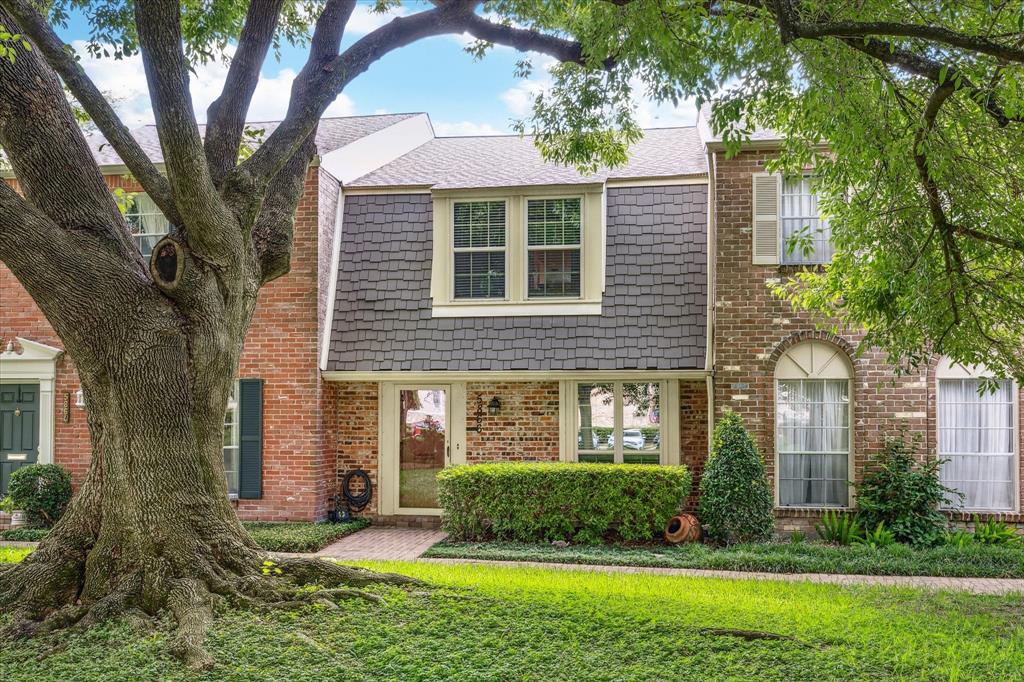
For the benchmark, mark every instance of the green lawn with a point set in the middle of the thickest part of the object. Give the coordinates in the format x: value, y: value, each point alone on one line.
x: 976, y: 560
x: 496, y: 623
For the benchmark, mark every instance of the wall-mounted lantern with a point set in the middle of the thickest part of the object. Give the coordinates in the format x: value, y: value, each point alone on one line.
x: 493, y: 408
x: 79, y: 399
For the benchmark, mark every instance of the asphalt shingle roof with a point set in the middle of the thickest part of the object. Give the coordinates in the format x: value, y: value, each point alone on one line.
x: 505, y: 161
x: 332, y: 133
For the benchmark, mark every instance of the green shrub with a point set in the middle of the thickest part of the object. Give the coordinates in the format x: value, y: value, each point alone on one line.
x: 735, y: 500
x: 904, y: 494
x: 958, y: 539
x: 993, y: 532
x: 42, y: 491
x: 585, y: 503
x: 838, y: 528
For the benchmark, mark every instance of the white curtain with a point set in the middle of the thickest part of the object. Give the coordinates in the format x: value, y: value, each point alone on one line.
x: 813, y: 427
x: 800, y: 210
x: 976, y: 436
x: 147, y: 222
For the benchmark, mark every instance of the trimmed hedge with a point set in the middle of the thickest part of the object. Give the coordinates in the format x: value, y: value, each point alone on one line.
x: 586, y: 503
x: 42, y: 491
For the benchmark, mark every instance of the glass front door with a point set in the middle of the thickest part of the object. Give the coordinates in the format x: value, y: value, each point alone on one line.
x: 422, y: 444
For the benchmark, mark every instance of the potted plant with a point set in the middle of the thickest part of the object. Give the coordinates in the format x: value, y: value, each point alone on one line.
x: 18, y: 517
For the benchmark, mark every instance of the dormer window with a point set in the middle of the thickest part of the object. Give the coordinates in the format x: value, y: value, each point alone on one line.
x: 524, y: 251
x: 148, y: 225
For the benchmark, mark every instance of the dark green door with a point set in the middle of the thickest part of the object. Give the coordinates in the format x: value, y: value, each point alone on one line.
x: 19, y: 429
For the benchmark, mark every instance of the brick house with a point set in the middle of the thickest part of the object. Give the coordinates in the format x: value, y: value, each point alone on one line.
x: 458, y: 300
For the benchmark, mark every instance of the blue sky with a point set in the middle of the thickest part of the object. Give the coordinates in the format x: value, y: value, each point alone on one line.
x: 462, y: 96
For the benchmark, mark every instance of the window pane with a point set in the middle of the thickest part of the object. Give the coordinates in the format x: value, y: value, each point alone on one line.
x: 230, y: 448
x: 813, y: 437
x: 480, y: 274
x: 479, y: 224
x: 596, y: 418
x: 799, y: 216
x: 147, y: 224
x: 554, y: 273
x: 641, y: 421
x: 553, y: 222
x: 976, y: 436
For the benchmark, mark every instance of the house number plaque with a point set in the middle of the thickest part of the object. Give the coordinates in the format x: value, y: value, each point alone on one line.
x: 65, y: 410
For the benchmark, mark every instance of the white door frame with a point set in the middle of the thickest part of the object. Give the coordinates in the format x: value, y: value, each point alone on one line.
x: 455, y: 408
x: 35, y: 364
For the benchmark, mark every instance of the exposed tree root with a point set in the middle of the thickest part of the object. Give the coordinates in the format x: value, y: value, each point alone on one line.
x: 42, y: 601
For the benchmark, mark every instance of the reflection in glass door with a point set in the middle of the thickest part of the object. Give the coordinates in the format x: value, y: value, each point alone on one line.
x: 422, y: 445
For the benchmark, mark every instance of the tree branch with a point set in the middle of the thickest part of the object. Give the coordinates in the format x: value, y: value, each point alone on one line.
x: 88, y: 95
x: 207, y: 222
x: 225, y: 118
x: 318, y: 85
x: 527, y: 40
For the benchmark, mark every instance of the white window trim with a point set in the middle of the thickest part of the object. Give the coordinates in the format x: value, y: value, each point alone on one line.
x: 529, y: 249
x: 782, y: 238
x: 516, y: 266
x: 236, y: 428
x: 851, y: 420
x: 669, y: 452
x: 455, y: 250
x: 948, y: 369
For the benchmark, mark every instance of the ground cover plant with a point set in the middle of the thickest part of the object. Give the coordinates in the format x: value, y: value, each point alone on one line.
x: 970, y: 560
x: 489, y: 623
x: 273, y: 537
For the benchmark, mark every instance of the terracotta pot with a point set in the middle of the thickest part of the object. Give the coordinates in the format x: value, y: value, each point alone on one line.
x: 683, y: 528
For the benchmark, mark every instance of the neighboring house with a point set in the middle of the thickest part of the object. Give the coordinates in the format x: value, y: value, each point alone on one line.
x: 458, y: 300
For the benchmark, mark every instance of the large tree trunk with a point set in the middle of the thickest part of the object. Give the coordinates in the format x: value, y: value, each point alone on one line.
x: 156, y: 346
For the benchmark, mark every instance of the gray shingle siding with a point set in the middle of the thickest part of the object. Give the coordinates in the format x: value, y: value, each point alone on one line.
x: 654, y: 306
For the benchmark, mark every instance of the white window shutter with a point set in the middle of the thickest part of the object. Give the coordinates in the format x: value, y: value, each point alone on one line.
x: 766, y: 219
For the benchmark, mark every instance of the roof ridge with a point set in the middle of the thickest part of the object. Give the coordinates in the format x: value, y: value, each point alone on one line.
x: 322, y: 118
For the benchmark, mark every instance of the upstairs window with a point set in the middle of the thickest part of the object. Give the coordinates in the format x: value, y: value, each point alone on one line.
x: 806, y: 237
x: 478, y: 239
x: 553, y: 238
x: 148, y: 225
x: 977, y: 439
x: 523, y: 251
x: 787, y: 225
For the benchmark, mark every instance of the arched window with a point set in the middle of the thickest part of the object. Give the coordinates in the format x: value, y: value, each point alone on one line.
x: 977, y: 437
x: 812, y: 426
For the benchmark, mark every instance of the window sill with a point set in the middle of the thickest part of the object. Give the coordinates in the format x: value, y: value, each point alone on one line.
x: 505, y: 309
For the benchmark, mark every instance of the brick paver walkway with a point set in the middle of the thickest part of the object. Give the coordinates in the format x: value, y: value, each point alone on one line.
x: 383, y: 543
x: 974, y: 585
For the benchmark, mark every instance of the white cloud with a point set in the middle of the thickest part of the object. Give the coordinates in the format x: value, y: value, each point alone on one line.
x: 364, y: 19
x: 124, y: 82
x: 448, y: 129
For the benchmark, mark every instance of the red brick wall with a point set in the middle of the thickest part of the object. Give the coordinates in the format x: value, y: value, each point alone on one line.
x: 525, y: 430
x: 281, y: 348
x: 753, y: 327
x: 693, y: 431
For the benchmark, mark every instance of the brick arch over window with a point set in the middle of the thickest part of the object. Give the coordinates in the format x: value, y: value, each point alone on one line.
x: 813, y: 419
x: 823, y: 336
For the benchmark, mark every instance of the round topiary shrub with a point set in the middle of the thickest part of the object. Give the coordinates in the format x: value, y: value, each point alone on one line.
x: 735, y: 499
x: 42, y: 491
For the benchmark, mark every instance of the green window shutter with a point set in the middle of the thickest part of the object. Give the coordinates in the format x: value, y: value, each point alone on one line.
x: 250, y: 456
